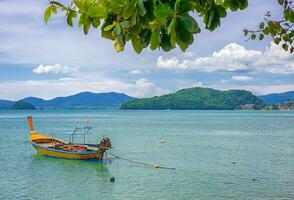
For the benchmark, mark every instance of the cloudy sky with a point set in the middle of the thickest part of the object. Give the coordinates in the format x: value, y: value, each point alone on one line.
x: 56, y: 60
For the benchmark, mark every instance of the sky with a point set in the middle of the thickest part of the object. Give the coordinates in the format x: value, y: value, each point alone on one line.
x: 57, y: 60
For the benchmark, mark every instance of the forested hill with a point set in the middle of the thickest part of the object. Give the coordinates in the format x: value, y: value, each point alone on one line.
x: 21, y: 105
x: 198, y: 99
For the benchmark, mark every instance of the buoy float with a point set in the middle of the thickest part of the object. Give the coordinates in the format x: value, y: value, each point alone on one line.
x: 233, y: 162
x: 162, y: 141
x: 112, y: 179
x: 156, y: 166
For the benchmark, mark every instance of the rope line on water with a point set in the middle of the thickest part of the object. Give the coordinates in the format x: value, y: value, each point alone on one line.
x: 157, y: 166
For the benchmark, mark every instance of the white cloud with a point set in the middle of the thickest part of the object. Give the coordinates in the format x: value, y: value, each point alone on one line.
x: 146, y: 88
x: 67, y: 86
x: 135, y: 71
x: 188, y: 54
x: 235, y: 58
x: 55, y: 69
x: 232, y: 57
x: 275, y: 61
x: 69, y: 79
x: 189, y: 84
x: 167, y: 63
x: 259, y: 89
x: 241, y: 78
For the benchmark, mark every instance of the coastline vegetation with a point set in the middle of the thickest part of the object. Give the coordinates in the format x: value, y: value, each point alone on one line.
x: 198, y: 99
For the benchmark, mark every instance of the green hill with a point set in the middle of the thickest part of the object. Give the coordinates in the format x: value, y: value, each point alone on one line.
x: 21, y: 105
x: 198, y: 99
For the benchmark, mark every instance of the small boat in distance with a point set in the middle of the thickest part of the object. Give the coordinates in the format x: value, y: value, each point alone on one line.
x: 51, y: 146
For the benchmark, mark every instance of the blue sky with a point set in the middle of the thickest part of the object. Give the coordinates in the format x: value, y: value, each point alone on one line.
x: 56, y: 60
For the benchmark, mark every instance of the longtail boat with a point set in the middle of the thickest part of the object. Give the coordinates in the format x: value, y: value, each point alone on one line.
x: 51, y: 146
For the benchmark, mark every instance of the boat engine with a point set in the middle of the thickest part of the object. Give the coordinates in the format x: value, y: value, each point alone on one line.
x: 105, y: 143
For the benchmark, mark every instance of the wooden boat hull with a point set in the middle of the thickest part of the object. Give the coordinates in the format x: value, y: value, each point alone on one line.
x: 95, y: 155
x: 50, y: 146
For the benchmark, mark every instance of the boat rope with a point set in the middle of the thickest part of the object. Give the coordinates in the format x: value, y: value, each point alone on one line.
x: 157, y: 166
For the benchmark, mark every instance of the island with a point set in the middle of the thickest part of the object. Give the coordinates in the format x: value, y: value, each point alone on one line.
x: 198, y: 98
x: 21, y: 105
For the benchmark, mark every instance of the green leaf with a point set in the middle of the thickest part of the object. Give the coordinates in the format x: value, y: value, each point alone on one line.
x: 79, y: 4
x: 163, y: 11
x: 87, y: 4
x: 277, y: 40
x: 134, y: 19
x: 117, y: 46
x: 189, y: 23
x: 265, y: 31
x: 135, y: 30
x: 47, y: 14
x: 142, y: 9
x: 261, y: 25
x: 81, y: 20
x: 245, y: 32
x: 154, y: 42
x: 125, y: 24
x: 54, y: 9
x: 106, y: 34
x: 69, y: 20
x: 172, y: 32
x: 253, y: 36
x: 55, y: 3
x: 177, y: 6
x: 210, y: 18
x: 128, y: 11
x: 95, y: 22
x: 242, y: 4
x: 165, y: 42
x: 183, y: 34
x: 110, y: 27
x: 285, y: 47
x: 181, y: 44
x: 234, y: 5
x: 221, y: 11
x: 97, y: 11
x: 185, y: 6
x: 87, y: 24
x: 261, y: 36
x: 137, y: 45
x: 289, y: 15
x: 226, y: 4
x: 117, y: 29
x: 120, y: 40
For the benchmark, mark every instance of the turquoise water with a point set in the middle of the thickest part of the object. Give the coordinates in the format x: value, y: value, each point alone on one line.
x: 202, y: 145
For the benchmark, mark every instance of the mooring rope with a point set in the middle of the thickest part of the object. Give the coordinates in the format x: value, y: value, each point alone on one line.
x: 141, y: 163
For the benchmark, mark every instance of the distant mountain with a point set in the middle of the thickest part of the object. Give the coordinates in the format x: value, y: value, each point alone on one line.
x: 83, y: 100
x: 5, y: 104
x: 198, y: 99
x: 278, y: 98
x: 21, y: 105
x: 37, y: 102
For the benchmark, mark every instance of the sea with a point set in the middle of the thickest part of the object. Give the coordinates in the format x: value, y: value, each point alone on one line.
x: 209, y: 155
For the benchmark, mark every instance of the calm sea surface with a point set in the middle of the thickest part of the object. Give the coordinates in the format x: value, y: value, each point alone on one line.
x: 217, y: 155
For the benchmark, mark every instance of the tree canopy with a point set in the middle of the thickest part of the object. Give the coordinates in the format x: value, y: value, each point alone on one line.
x: 280, y: 30
x: 161, y: 24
